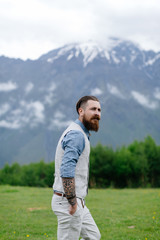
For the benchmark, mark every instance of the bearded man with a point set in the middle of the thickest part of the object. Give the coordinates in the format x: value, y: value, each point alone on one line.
x: 72, y: 174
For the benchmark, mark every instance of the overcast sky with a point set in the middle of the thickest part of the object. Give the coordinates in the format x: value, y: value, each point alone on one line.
x: 30, y: 28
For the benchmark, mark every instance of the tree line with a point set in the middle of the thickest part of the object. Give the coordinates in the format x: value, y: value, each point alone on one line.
x: 136, y: 165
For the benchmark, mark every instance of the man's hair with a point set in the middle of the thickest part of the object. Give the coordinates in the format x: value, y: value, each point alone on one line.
x: 82, y: 101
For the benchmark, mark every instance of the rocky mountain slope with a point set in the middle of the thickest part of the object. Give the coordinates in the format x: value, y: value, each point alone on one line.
x: 37, y: 98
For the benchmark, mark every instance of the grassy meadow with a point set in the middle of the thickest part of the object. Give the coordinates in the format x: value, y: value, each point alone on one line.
x: 127, y: 214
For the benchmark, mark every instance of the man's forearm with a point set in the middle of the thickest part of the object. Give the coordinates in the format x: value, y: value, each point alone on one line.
x: 69, y: 189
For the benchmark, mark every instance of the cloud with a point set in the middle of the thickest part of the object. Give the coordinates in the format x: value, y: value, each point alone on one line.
x: 29, y: 87
x: 7, y: 87
x: 11, y: 125
x: 49, y: 98
x: 143, y: 100
x: 52, y: 87
x: 57, y: 123
x: 135, y: 21
x: 34, y: 111
x: 59, y: 115
x: 114, y: 90
x: 157, y: 93
x: 4, y: 108
x: 31, y: 28
x: 44, y: 26
x: 28, y: 114
x: 96, y: 91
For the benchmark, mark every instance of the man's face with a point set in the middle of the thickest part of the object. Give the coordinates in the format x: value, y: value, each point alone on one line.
x: 90, y: 115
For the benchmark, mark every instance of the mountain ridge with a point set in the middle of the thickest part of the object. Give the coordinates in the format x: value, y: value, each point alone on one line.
x: 38, y: 97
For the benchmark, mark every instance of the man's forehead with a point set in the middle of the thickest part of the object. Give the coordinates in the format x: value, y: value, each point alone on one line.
x: 92, y: 103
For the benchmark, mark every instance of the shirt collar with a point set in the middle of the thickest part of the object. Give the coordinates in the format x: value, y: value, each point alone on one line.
x: 83, y: 127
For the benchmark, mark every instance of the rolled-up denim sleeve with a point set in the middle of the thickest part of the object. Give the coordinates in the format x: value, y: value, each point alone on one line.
x: 73, y: 145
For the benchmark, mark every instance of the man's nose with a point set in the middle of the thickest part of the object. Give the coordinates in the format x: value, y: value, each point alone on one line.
x: 98, y: 113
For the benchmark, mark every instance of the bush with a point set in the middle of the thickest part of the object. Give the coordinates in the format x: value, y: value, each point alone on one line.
x: 34, y: 174
x: 137, y: 165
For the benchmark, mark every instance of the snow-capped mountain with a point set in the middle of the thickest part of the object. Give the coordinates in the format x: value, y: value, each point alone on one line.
x: 115, y: 51
x: 37, y: 98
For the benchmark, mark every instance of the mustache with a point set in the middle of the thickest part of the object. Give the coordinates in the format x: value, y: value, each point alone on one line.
x: 95, y: 117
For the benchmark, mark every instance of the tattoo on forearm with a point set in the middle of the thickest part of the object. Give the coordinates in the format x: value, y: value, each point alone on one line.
x: 69, y: 189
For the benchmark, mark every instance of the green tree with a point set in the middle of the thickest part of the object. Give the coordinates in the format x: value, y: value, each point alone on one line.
x: 101, y: 169
x: 153, y: 157
x: 123, y: 165
x: 29, y: 176
x: 140, y: 166
x: 49, y: 178
x: 11, y: 174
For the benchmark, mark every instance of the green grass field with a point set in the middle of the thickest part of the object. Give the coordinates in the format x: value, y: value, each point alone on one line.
x: 128, y: 214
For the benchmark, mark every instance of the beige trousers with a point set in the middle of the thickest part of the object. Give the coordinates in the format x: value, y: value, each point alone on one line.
x: 71, y: 227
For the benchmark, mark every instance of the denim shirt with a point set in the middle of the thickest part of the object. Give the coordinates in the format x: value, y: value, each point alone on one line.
x: 73, y: 145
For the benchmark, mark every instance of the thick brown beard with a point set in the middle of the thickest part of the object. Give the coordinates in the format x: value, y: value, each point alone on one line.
x: 90, y: 125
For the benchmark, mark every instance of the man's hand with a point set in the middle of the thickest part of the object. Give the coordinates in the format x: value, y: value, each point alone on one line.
x: 69, y: 189
x: 72, y: 209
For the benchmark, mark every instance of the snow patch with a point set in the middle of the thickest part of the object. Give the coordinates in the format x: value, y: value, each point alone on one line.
x: 70, y: 56
x: 153, y: 60
x: 133, y: 57
x: 90, y: 50
x: 115, y: 59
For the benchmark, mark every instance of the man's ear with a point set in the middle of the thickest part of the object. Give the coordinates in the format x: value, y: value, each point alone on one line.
x: 80, y: 111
